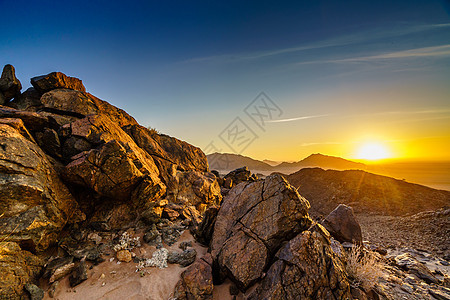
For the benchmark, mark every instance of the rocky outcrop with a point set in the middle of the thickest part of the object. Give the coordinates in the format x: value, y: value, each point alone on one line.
x: 305, y: 268
x: 342, y: 225
x: 252, y: 223
x: 35, y: 202
x: 17, y: 267
x: 70, y: 162
x: 237, y: 176
x: 196, y: 282
x: 56, y: 80
x: 10, y: 86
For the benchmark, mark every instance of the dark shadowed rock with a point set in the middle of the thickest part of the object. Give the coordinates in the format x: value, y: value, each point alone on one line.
x: 48, y: 140
x: 253, y: 221
x: 305, y: 268
x: 35, y: 203
x: 33, y: 121
x: 204, y: 231
x: 342, y: 225
x: 79, y: 274
x: 55, y: 264
x: 10, y: 86
x: 196, y: 282
x: 184, y: 258
x: 2, y: 98
x: 237, y: 176
x: 28, y: 100
x: 56, y: 80
x: 17, y: 267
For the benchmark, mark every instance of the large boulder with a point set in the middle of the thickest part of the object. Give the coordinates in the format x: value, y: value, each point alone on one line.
x: 252, y: 223
x: 112, y: 165
x: 17, y: 267
x: 342, y: 225
x: 66, y: 106
x: 196, y: 282
x: 199, y: 189
x: 10, y: 86
x: 56, y: 80
x: 305, y: 268
x: 239, y: 175
x: 35, y: 203
x: 33, y: 121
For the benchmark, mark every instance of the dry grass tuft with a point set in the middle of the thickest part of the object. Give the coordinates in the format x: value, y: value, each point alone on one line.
x: 363, y: 268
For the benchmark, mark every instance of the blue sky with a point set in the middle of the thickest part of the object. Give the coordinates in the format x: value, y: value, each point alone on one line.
x: 365, y: 69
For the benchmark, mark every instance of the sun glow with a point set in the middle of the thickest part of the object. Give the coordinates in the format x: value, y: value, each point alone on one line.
x: 373, y: 151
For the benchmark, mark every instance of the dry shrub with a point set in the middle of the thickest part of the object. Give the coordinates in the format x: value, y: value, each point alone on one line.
x: 363, y: 267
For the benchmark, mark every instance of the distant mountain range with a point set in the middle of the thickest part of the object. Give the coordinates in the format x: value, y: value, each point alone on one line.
x: 225, y: 162
x: 364, y: 191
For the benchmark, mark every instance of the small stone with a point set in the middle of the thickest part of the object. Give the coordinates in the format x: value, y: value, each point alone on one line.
x: 36, y: 293
x: 94, y: 237
x: 184, y: 258
x: 184, y: 245
x: 124, y: 255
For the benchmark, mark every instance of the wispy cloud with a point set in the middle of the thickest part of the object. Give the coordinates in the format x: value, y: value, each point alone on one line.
x: 297, y: 119
x: 414, y: 112
x: 348, y: 39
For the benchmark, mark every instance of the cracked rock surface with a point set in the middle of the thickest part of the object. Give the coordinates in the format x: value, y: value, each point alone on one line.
x: 254, y: 220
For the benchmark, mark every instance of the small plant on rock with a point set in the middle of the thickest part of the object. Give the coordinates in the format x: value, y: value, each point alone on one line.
x: 363, y: 268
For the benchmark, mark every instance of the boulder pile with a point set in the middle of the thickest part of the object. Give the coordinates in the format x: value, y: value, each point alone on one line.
x: 70, y: 161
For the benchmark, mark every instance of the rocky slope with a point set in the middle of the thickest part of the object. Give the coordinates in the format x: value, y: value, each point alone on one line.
x: 365, y: 192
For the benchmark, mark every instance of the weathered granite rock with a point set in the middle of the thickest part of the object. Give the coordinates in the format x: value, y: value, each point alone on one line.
x: 17, y: 267
x: 203, y: 233
x: 10, y: 86
x: 56, y: 80
x: 342, y: 225
x: 35, y: 203
x: 196, y: 282
x: 305, y: 268
x: 253, y: 221
x: 407, y: 262
x: 33, y: 121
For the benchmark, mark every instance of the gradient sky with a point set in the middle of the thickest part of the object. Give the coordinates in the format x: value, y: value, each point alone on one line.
x: 342, y: 72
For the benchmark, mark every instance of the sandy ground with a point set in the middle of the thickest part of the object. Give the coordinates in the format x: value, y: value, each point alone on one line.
x: 110, y: 280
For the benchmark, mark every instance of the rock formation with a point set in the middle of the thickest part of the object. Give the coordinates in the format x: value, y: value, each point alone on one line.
x: 70, y: 160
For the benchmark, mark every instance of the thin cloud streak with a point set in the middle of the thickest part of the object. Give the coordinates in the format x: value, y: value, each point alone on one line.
x: 349, y: 39
x: 297, y: 119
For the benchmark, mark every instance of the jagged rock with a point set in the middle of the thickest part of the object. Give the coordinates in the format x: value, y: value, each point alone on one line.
x: 18, y: 125
x: 170, y: 214
x: 199, y: 189
x: 55, y: 264
x: 196, y: 282
x: 167, y: 150
x: 305, y: 268
x: 116, y: 166
x: 10, y: 86
x: 48, y: 140
x: 35, y: 203
x: 203, y: 233
x: 237, y: 176
x: 33, y: 121
x: 184, y: 258
x: 342, y: 225
x: 36, y: 293
x: 56, y: 80
x: 151, y: 235
x: 253, y: 221
x: 28, y: 100
x: 124, y: 255
x: 17, y: 267
x: 407, y: 262
x: 79, y: 274
x: 171, y: 234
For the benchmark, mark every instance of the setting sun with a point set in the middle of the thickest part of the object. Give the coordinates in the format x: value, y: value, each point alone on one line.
x: 373, y: 151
